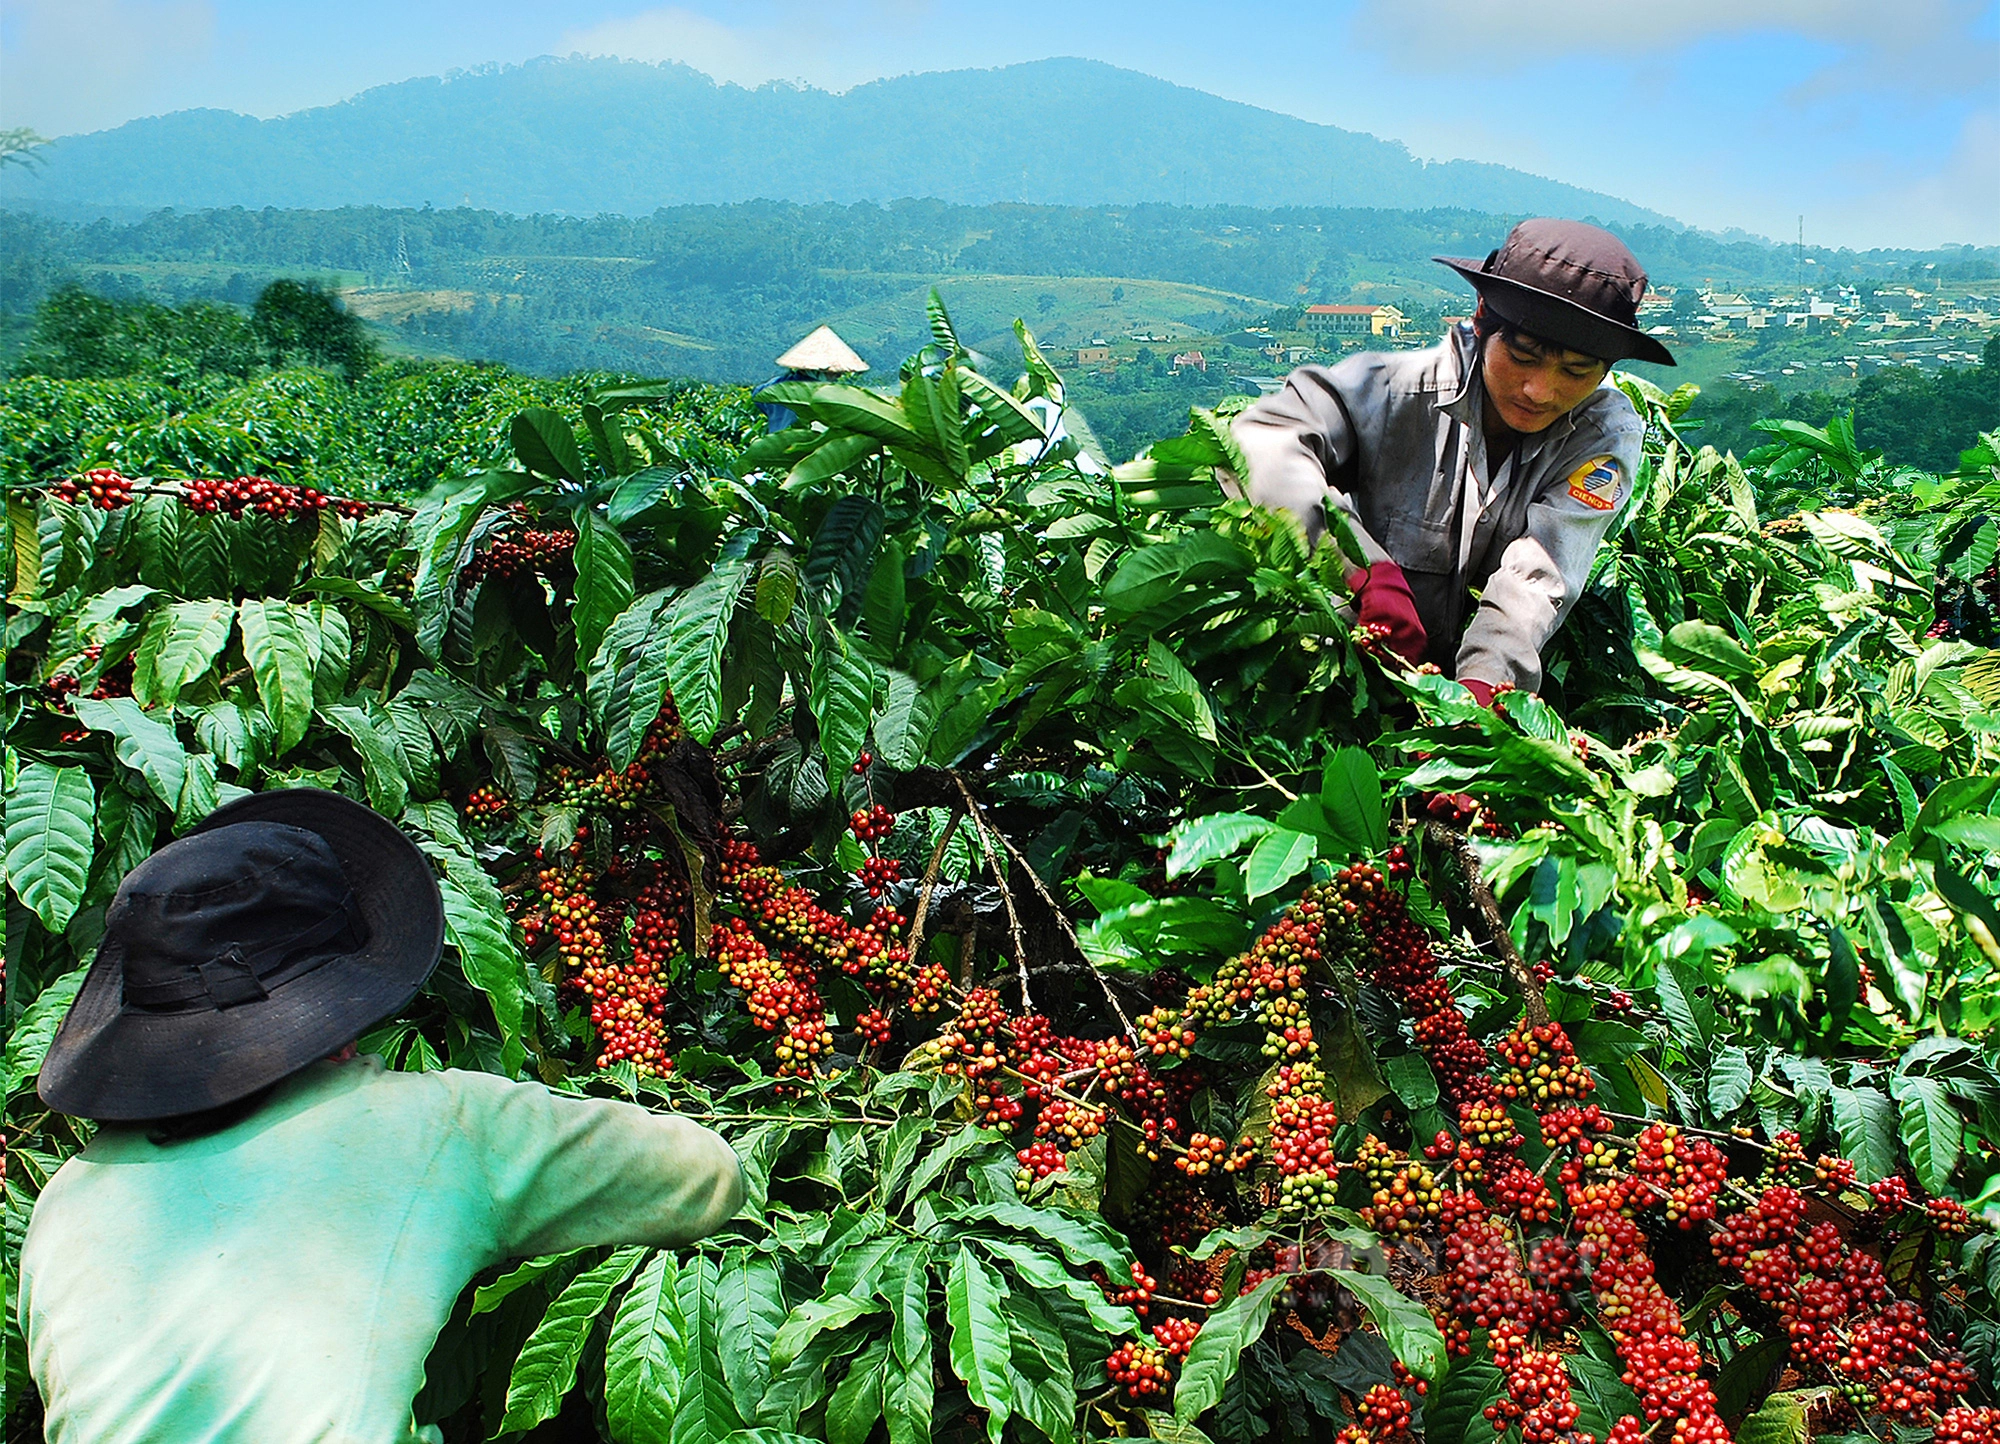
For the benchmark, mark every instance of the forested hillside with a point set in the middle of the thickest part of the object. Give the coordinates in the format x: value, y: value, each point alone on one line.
x: 1068, y: 132
x: 717, y: 292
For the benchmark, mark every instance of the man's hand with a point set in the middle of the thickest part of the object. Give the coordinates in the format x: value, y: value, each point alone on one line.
x: 1482, y: 692
x: 1384, y: 600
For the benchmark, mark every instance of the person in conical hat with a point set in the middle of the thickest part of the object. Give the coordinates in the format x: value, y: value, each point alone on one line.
x: 1478, y: 477
x: 266, y: 1232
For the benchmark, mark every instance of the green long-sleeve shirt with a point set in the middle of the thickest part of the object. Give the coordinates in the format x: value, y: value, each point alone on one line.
x: 283, y: 1280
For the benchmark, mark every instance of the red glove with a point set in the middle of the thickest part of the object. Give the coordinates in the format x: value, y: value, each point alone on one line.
x: 1482, y: 692
x: 1384, y: 599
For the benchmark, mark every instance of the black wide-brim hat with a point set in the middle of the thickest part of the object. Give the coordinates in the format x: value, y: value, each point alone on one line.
x: 269, y: 937
x: 1568, y: 282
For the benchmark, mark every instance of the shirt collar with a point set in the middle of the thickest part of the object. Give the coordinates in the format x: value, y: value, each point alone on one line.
x: 1461, y: 391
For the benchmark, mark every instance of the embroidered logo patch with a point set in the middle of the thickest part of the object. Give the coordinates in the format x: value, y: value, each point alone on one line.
x: 1595, y: 483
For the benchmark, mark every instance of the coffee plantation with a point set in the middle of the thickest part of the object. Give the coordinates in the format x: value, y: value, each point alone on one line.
x: 1142, y: 1007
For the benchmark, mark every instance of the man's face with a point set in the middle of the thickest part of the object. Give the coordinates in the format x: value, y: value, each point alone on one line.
x: 1529, y: 385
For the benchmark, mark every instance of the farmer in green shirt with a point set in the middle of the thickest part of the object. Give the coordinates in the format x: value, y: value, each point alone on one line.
x: 265, y: 1235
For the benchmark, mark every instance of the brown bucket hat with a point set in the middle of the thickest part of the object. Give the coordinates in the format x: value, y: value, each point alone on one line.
x: 1568, y: 282
x: 269, y: 937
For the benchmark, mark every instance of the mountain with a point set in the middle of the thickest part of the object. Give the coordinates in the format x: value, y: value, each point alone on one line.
x: 591, y: 136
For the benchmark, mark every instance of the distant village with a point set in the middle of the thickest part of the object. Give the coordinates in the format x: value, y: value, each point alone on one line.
x: 1875, y: 328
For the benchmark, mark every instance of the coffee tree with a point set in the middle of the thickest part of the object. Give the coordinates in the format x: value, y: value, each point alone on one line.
x: 1141, y: 1007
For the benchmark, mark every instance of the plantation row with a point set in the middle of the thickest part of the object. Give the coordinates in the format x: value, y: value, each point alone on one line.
x: 1141, y: 1008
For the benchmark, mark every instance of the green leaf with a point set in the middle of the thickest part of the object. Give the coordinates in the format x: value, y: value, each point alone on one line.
x: 1351, y: 793
x: 1729, y: 1081
x: 1704, y: 647
x: 813, y: 1318
x: 1045, y: 1275
x: 857, y: 1401
x: 981, y: 1345
x: 603, y: 580
x: 697, y: 630
x: 1602, y: 1396
x: 1083, y: 1237
x: 843, y: 698
x: 1780, y: 1419
x: 843, y: 549
x: 1208, y: 839
x: 1455, y: 1413
x: 1167, y: 1429
x: 488, y: 1297
x: 29, y: 1038
x: 181, y: 643
x: 488, y: 956
x: 1278, y: 856
x: 1224, y: 1336
x: 546, y: 1369
x: 1979, y: 831
x: 378, y: 602
x: 909, y: 1396
x: 1044, y: 1382
x: 544, y: 443
x: 279, y: 648
x: 1931, y: 1128
x: 147, y: 747
x: 1747, y: 1376
x: 707, y: 1412
x: 374, y: 737
x: 777, y: 585
x: 1869, y: 1132
x: 1692, y: 1015
x: 643, y: 1359
x: 883, y: 605
x: 626, y: 683
x: 830, y: 458
x: 904, y: 728
x: 750, y: 1309
x: 639, y: 493
x: 1412, y: 1081
x: 51, y: 818
x: 1406, y: 1325
x: 909, y: 1391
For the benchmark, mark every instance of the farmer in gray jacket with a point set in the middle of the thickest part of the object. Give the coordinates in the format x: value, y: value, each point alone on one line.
x: 1478, y: 476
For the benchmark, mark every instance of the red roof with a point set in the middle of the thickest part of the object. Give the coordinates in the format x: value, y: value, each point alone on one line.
x: 1344, y: 310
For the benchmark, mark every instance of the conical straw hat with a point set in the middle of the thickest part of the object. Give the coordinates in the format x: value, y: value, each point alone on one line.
x: 822, y: 351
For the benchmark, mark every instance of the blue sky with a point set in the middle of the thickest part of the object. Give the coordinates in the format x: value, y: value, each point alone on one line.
x: 1878, y: 122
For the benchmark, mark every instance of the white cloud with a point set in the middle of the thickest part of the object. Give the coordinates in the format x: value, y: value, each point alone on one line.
x: 77, y: 65
x: 1640, y: 28
x: 832, y: 46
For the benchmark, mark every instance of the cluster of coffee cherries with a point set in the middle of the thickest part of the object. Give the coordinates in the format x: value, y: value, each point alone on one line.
x: 483, y: 804
x: 265, y: 497
x: 625, y: 992
x: 1542, y: 1066
x: 105, y: 489
x: 872, y: 824
x: 1039, y: 1160
x: 62, y: 688
x: 1141, y: 1371
x: 1405, y: 1197
x: 1837, y: 1309
x: 790, y: 939
x: 1385, y: 1411
x: 781, y: 997
x: 1376, y: 933
x: 523, y: 552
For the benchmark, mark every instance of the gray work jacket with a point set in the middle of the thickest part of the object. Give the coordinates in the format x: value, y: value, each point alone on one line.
x: 1393, y: 439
